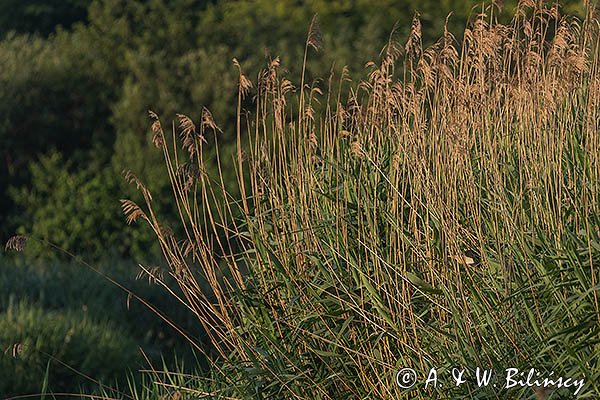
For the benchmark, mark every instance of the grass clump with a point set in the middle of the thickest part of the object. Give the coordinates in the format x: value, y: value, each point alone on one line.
x: 444, y: 214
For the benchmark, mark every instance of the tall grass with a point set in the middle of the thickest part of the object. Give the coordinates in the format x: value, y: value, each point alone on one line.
x: 445, y: 213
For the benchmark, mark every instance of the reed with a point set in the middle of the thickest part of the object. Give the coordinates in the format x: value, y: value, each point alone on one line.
x: 443, y: 212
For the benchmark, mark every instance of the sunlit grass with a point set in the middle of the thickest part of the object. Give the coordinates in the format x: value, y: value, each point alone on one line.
x: 445, y: 213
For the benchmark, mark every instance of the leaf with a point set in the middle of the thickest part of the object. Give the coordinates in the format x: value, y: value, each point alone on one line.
x: 421, y: 284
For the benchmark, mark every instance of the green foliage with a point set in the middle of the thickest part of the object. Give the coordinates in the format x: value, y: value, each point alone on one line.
x: 36, y: 338
x: 48, y: 98
x: 73, y: 292
x: 77, y: 210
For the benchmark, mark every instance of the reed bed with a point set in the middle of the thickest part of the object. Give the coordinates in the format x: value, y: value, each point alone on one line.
x: 442, y: 213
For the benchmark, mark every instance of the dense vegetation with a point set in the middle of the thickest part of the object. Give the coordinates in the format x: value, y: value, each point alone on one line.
x: 323, y: 203
x: 68, y: 321
x: 442, y: 214
x: 83, y: 92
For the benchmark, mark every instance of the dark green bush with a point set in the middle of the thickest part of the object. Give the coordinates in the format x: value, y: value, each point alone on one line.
x: 36, y: 340
x: 49, y: 98
x: 77, y: 210
x: 40, y: 16
x: 70, y: 291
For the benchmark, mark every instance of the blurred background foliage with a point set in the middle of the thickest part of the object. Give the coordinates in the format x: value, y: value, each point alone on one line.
x: 66, y: 319
x: 40, y: 16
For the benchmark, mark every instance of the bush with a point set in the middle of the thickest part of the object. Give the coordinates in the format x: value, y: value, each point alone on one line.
x: 77, y: 209
x: 71, y: 290
x: 49, y: 98
x: 40, y: 16
x: 37, y: 341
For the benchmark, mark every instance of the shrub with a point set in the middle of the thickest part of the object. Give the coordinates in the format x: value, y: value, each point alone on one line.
x: 77, y: 209
x: 37, y: 341
x: 49, y: 98
x: 40, y: 16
